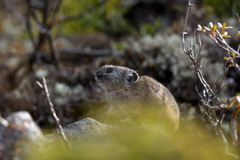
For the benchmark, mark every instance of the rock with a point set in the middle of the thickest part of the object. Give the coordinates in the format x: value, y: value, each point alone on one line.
x: 18, y: 134
x: 84, y: 129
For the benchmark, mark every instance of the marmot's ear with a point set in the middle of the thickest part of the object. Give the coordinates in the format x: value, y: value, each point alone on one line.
x: 131, y: 77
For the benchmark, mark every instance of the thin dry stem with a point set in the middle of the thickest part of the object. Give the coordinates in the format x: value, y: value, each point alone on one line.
x: 55, y: 117
x: 3, y: 121
x: 210, y: 101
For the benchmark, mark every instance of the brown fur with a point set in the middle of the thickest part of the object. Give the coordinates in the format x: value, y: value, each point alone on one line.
x: 142, y: 99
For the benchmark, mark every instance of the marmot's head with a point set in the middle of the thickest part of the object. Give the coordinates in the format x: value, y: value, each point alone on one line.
x: 111, y: 77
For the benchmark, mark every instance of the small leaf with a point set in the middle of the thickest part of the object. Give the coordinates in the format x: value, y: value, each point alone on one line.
x: 233, y: 55
x: 226, y: 36
x: 214, y: 28
x: 238, y: 34
x: 231, y: 103
x: 236, y: 112
x: 224, y: 25
x: 235, y: 101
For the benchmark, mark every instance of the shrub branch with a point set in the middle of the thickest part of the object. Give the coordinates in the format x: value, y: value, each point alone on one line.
x: 210, y: 102
x: 55, y: 117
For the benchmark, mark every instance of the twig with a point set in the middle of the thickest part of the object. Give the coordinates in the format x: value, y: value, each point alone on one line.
x: 238, y: 17
x: 3, y: 121
x: 28, y: 26
x: 185, y: 25
x: 226, y: 143
x: 19, y: 16
x: 56, y: 119
x: 222, y: 116
x: 233, y: 131
x: 208, y: 96
x: 56, y: 9
x: 227, y: 48
x: 224, y: 76
x: 196, y: 62
x: 52, y: 48
x: 14, y: 12
x: 44, y: 28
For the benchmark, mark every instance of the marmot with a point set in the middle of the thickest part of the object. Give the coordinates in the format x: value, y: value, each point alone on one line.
x: 140, y: 98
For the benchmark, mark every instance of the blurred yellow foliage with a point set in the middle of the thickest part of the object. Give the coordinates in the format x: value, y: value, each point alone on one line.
x: 141, y: 144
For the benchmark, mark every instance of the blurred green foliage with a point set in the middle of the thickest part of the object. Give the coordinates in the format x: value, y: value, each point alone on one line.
x: 151, y: 29
x: 107, y: 18
x: 224, y: 7
x: 141, y: 144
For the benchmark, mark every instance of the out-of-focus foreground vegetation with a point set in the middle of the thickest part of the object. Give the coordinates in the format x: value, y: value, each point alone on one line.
x: 65, y: 41
x: 141, y: 143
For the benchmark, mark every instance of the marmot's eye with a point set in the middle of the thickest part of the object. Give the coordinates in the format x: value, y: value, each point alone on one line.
x: 109, y: 70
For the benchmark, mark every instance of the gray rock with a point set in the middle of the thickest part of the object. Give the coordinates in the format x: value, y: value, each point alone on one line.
x: 84, y: 129
x: 18, y: 135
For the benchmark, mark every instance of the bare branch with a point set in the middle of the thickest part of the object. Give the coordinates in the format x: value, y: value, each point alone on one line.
x: 44, y: 28
x: 55, y: 117
x: 39, y: 84
x: 28, y: 26
x: 52, y: 48
x: 222, y: 116
x: 185, y: 25
x: 233, y: 126
x: 56, y: 9
x: 238, y: 17
x: 20, y: 17
x: 209, y: 100
x: 227, y: 48
x: 13, y: 11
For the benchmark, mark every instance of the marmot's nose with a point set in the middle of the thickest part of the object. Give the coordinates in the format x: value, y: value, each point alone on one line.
x: 99, y: 76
